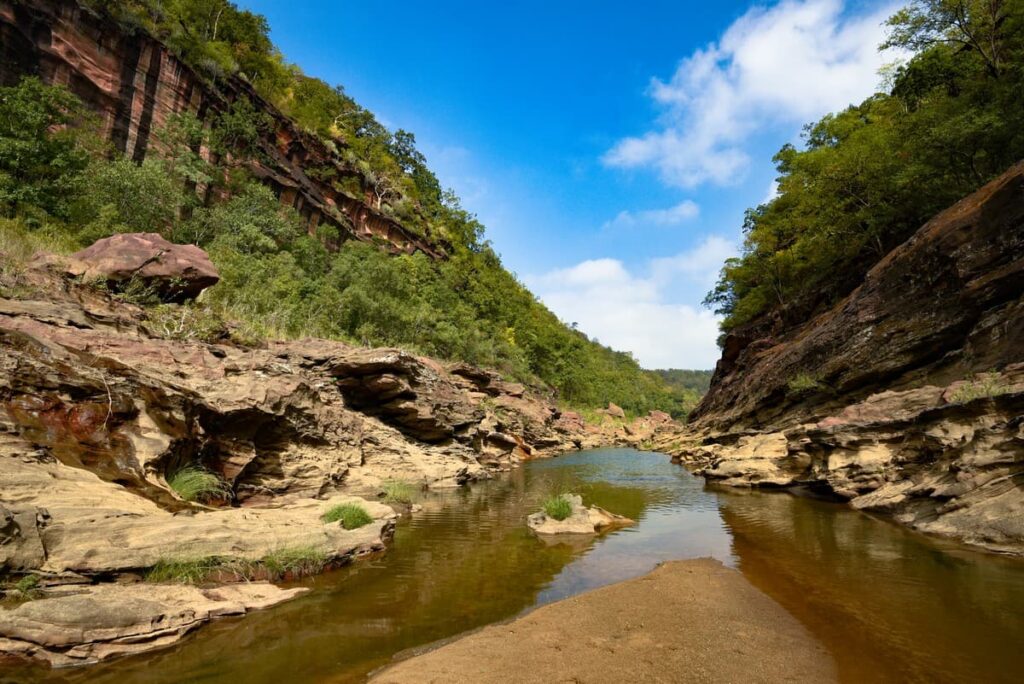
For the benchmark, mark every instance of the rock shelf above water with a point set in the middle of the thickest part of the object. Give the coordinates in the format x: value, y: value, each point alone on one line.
x: 582, y: 520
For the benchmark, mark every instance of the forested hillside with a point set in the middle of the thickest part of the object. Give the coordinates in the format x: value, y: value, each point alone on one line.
x: 690, y: 384
x: 871, y: 175
x: 62, y: 186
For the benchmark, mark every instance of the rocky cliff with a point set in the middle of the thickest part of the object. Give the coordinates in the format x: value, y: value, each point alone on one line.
x: 134, y: 83
x: 906, y: 397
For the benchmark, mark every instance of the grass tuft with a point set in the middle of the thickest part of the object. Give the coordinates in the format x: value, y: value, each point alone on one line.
x: 195, y: 484
x: 399, y: 491
x: 558, y: 507
x: 351, y: 516
x: 185, y: 570
x: 298, y: 561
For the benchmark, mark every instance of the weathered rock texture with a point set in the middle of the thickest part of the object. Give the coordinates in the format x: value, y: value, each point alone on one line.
x: 88, y: 624
x: 134, y: 83
x: 172, y: 272
x: 905, y: 397
x: 582, y: 520
x: 96, y: 411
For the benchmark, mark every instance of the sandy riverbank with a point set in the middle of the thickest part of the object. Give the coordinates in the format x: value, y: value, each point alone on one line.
x: 687, y: 621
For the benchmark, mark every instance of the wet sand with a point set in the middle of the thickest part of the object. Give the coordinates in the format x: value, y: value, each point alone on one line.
x: 687, y: 621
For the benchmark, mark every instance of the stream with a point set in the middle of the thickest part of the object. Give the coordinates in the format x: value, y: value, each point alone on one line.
x: 891, y: 605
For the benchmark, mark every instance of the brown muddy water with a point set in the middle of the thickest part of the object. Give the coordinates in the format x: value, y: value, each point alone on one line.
x: 891, y: 605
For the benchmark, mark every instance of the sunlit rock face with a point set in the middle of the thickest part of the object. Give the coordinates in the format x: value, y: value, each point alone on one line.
x: 99, y: 407
x: 906, y: 397
x: 134, y: 83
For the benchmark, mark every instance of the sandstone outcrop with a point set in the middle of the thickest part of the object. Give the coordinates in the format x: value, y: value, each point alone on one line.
x: 906, y: 397
x: 582, y: 520
x: 98, y: 410
x: 172, y: 272
x: 86, y: 624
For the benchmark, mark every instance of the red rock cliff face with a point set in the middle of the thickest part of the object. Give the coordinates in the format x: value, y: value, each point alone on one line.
x: 134, y: 83
x: 947, y: 303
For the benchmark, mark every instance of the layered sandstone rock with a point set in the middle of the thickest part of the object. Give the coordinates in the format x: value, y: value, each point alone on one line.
x: 86, y: 624
x: 134, y: 83
x: 906, y: 397
x: 102, y: 411
x: 172, y: 272
x: 97, y: 410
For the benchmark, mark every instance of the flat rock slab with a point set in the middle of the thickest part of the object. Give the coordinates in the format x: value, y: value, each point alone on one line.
x: 687, y: 621
x: 98, y: 622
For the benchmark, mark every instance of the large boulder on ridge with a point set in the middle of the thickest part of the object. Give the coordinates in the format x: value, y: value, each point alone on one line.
x: 172, y: 272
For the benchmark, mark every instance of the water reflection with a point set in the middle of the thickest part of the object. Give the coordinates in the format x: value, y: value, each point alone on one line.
x: 890, y: 604
x: 465, y: 561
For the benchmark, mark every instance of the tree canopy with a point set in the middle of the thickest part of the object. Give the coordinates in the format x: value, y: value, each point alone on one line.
x: 869, y: 176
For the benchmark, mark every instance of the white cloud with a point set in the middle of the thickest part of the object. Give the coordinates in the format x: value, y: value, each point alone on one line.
x: 787, y: 64
x: 673, y: 216
x: 699, y: 265
x: 633, y: 312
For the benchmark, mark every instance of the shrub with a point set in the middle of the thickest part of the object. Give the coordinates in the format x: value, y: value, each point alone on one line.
x: 195, y: 484
x: 185, y: 322
x: 351, y: 516
x: 41, y: 156
x: 988, y: 385
x: 121, y: 196
x: 803, y: 382
x: 399, y: 491
x: 558, y: 507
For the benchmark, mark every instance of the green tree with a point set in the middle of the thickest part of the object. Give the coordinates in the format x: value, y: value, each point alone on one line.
x: 41, y: 153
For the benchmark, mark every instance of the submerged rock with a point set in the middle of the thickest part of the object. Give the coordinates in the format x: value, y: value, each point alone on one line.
x: 582, y: 520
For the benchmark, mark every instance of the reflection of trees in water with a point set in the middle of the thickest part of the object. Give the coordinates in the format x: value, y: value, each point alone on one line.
x: 890, y: 604
x: 466, y: 560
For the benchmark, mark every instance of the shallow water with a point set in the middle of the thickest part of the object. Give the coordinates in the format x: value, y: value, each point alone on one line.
x: 890, y: 605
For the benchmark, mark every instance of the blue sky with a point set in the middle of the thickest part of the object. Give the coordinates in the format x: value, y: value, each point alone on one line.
x: 609, y: 148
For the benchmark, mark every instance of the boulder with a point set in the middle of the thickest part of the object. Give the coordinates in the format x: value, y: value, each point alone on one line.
x: 615, y: 411
x: 583, y: 520
x: 173, y: 272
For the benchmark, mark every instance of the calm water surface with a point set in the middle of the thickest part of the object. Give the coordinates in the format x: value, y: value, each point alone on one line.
x: 889, y: 604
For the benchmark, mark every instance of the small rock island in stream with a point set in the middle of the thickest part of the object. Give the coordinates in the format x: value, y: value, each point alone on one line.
x: 575, y: 518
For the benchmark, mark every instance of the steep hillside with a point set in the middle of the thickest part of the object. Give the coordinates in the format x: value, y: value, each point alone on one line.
x: 200, y: 117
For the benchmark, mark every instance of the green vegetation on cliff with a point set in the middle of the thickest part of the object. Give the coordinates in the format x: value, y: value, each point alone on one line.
x: 61, y: 185
x: 871, y: 175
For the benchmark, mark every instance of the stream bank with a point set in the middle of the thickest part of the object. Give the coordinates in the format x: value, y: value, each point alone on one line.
x: 890, y: 605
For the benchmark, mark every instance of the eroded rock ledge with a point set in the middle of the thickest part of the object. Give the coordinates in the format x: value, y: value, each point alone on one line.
x: 98, y: 408
x: 906, y: 397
